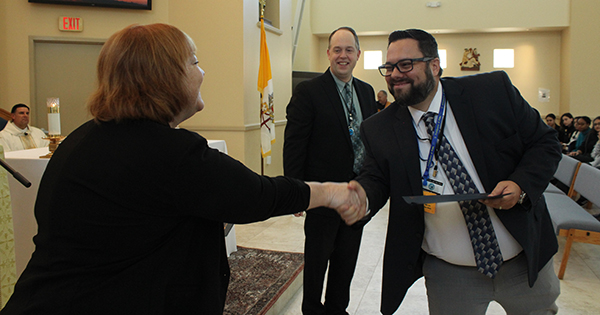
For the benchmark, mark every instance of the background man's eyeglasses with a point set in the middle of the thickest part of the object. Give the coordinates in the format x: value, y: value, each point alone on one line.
x: 404, y: 65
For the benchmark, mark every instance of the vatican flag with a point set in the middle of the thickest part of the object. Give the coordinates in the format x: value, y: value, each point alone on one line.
x: 265, y: 87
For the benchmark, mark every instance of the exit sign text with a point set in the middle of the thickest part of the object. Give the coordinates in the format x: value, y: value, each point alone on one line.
x: 70, y: 24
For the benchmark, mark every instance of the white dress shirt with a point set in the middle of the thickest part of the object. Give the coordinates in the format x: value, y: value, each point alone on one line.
x: 446, y: 235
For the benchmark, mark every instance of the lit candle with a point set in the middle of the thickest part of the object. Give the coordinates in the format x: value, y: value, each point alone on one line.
x: 53, y: 116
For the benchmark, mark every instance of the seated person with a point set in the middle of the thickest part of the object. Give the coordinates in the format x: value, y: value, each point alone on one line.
x: 571, y: 142
x: 382, y: 101
x: 596, y: 151
x: 584, y: 147
x: 567, y: 127
x: 596, y: 156
x: 581, y: 130
x: 18, y: 134
x: 551, y: 122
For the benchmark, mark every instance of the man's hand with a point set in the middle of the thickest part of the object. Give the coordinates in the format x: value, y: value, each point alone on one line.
x: 506, y: 202
x: 360, y: 192
x: 354, y: 203
x: 348, y: 199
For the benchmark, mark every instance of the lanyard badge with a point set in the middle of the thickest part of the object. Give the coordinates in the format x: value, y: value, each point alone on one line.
x: 431, y: 186
x: 435, y: 138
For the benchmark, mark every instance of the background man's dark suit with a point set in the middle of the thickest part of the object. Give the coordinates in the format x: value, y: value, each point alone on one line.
x: 317, y: 147
x: 506, y: 139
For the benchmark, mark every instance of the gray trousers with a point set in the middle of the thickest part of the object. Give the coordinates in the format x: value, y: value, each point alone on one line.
x: 461, y: 290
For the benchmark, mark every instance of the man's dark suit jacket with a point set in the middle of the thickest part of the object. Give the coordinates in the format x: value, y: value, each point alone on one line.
x: 506, y: 140
x: 317, y: 142
x: 130, y: 222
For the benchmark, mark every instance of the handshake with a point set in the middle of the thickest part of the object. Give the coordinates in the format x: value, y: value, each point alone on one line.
x: 348, y: 199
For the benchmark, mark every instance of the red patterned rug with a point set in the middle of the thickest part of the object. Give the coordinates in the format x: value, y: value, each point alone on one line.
x: 258, y: 278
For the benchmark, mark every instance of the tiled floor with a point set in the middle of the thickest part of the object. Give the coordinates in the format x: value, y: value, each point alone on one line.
x: 580, y: 288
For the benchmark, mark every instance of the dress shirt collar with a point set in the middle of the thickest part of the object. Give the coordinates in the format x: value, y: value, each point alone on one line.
x: 340, y: 84
x: 434, y: 107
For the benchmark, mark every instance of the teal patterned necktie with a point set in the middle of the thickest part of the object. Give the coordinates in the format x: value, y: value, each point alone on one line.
x: 354, y: 129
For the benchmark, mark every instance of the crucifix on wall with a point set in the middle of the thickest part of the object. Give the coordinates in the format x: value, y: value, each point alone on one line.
x: 470, y: 60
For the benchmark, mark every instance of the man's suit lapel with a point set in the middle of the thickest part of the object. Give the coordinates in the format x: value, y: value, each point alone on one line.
x: 467, y: 124
x: 408, y: 146
x: 363, y: 99
x: 333, y: 98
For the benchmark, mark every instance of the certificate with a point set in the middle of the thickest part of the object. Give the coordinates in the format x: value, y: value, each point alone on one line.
x: 419, y: 200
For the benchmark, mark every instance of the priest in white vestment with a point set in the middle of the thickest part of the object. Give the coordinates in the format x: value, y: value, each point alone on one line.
x: 18, y: 134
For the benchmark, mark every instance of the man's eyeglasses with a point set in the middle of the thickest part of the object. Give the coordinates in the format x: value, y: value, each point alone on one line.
x: 404, y: 65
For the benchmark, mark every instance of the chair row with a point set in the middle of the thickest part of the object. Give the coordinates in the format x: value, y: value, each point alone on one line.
x: 569, y: 218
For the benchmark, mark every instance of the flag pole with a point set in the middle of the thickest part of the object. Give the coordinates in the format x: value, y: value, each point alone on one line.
x: 265, y: 87
x: 263, y: 3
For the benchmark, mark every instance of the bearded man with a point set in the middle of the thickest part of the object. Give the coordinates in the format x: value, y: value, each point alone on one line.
x: 460, y: 136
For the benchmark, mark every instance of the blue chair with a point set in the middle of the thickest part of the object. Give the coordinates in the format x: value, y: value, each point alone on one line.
x: 3, y: 123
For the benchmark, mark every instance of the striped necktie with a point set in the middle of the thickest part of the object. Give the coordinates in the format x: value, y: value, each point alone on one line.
x: 483, y: 239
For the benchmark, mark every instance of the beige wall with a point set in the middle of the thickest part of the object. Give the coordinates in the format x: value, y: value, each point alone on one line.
x: 307, y: 53
x: 219, y: 36
x: 384, y: 16
x: 22, y: 20
x: 581, y: 68
x: 565, y: 71
x: 3, y: 55
x: 229, y: 41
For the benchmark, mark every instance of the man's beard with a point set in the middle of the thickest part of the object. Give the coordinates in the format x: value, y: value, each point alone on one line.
x: 417, y: 93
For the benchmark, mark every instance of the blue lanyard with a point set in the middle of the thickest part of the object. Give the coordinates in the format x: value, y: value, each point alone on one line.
x: 434, y: 138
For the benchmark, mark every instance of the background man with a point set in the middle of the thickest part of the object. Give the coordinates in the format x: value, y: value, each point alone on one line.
x: 18, y: 134
x: 490, y: 141
x: 382, y: 101
x: 322, y: 143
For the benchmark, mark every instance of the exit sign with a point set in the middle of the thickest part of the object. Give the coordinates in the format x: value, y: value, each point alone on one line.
x: 70, y: 24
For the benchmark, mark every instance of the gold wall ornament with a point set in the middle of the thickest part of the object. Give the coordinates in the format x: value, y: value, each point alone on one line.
x: 470, y: 60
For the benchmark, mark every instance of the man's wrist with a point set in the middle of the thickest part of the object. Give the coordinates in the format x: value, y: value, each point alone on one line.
x: 522, y: 197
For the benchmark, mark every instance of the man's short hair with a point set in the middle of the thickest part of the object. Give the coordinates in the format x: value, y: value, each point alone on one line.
x: 349, y: 29
x: 383, y: 91
x: 14, y: 108
x: 427, y: 43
